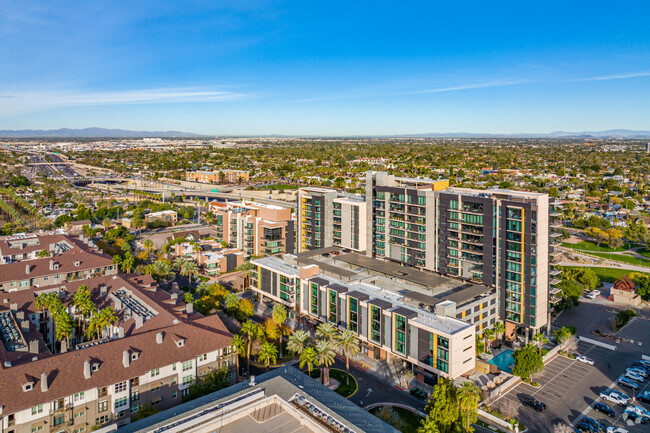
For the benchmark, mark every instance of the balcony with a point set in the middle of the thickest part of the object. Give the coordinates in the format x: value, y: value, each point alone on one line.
x: 554, y: 291
x: 554, y: 282
x: 554, y: 272
x: 554, y: 300
x: 555, y: 214
x: 555, y: 235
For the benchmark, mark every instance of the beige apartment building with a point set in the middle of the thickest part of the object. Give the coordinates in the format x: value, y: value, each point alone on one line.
x: 222, y: 176
x: 211, y: 258
x: 150, y: 357
x: 255, y: 228
x: 65, y: 259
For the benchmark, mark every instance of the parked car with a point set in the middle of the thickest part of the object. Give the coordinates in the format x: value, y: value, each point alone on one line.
x: 624, y: 381
x: 641, y: 365
x: 592, y: 422
x: 615, y: 397
x: 644, y: 397
x: 635, y: 417
x: 640, y: 371
x: 603, y: 408
x: 633, y: 376
x: 584, y: 427
x: 612, y: 429
x: 645, y: 362
x: 585, y: 360
x: 535, y: 404
x: 639, y: 411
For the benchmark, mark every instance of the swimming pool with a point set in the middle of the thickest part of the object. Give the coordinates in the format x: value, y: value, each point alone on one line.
x: 503, y: 360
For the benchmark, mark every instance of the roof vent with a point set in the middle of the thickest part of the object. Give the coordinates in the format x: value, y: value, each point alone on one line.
x: 252, y: 381
x: 87, y: 369
x: 126, y: 359
x: 28, y: 269
x: 159, y: 338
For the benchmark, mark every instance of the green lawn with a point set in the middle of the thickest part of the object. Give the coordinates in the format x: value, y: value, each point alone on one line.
x: 281, y: 187
x: 645, y: 252
x: 344, y: 390
x: 608, y: 275
x: 407, y: 422
x: 623, y: 258
x: 592, y: 247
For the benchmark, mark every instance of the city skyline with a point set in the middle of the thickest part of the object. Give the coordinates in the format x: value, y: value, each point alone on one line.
x: 257, y: 68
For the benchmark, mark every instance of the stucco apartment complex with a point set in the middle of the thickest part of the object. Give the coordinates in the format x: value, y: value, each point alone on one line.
x: 222, y: 176
x: 211, y: 258
x: 255, y: 228
x: 327, y: 217
x: 44, y: 259
x: 394, y: 318
x: 149, y: 357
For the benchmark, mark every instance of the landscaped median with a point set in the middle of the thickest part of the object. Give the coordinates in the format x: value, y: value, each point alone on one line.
x: 403, y: 418
x: 344, y: 389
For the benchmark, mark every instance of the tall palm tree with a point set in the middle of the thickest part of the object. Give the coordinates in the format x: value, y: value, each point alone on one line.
x: 326, y: 354
x: 349, y: 343
x: 239, y: 344
x: 246, y: 269
x: 189, y: 269
x: 94, y: 327
x: 41, y: 302
x: 279, y: 315
x: 488, y: 334
x: 107, y: 317
x: 80, y: 298
x: 148, y: 245
x: 468, y: 398
x: 327, y: 331
x: 251, y: 330
x: 499, y: 329
x: 64, y: 327
x: 128, y: 261
x: 179, y: 262
x: 297, y: 342
x: 268, y: 354
x: 163, y: 270
x: 308, y: 357
x: 540, y: 339
x: 232, y: 303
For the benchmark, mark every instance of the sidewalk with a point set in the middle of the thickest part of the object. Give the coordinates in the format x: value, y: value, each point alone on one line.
x: 385, y: 370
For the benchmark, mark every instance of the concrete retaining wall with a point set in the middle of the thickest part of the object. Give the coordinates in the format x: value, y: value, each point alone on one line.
x: 597, y: 343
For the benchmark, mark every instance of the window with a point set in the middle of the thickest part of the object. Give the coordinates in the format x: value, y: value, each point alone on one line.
x: 59, y: 419
x: 188, y: 380
x: 155, y: 372
x: 155, y: 402
x: 136, y: 407
x: 80, y: 414
x: 375, y: 324
x: 120, y: 387
x: 102, y: 392
x: 102, y: 420
x: 400, y: 334
x: 79, y: 396
x: 155, y: 388
x: 353, y: 314
x: 39, y: 428
x: 37, y: 409
x: 102, y: 406
x: 174, y: 394
x: 203, y: 357
x: 135, y: 381
x: 119, y: 402
x: 135, y: 395
x: 333, y: 298
x: 187, y: 365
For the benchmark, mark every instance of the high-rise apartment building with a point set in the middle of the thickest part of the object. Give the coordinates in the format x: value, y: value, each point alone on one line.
x: 327, y: 218
x: 498, y: 238
x: 501, y: 239
x: 255, y: 228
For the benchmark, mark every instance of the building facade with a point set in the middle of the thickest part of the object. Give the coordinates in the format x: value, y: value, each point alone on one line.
x: 255, y: 228
x: 329, y: 218
x: 222, y: 176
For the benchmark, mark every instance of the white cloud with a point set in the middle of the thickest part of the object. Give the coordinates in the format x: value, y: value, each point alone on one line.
x: 615, y: 77
x: 14, y: 102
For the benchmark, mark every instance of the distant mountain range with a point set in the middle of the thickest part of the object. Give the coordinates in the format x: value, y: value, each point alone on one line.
x: 121, y: 133
x: 610, y: 133
x: 91, y: 133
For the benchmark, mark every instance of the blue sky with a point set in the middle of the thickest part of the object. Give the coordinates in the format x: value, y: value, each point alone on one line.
x: 325, y: 68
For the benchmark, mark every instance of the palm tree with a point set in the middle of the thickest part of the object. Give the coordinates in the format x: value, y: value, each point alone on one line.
x: 488, y: 334
x: 148, y: 245
x: 349, y: 343
x: 297, y: 342
x: 94, y: 327
x: 64, y: 327
x: 239, y: 344
x: 128, y: 261
x: 232, y: 303
x: 107, y: 317
x: 268, y: 354
x: 308, y: 357
x: 163, y: 270
x: 41, y: 302
x: 499, y: 328
x: 279, y: 315
x: 540, y: 339
x: 251, y: 330
x: 468, y: 398
x: 246, y: 269
x: 189, y: 269
x: 326, y: 354
x: 327, y: 331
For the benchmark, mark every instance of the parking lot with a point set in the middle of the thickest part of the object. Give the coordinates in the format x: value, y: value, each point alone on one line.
x: 570, y: 388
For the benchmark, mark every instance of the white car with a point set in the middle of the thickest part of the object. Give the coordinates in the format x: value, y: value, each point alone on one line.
x: 634, y: 376
x: 641, y: 411
x: 644, y: 362
x: 612, y: 429
x: 585, y: 360
x: 615, y: 397
x: 639, y: 371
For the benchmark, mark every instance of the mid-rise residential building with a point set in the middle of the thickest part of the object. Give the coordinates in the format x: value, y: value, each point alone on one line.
x: 222, y: 176
x: 413, y: 317
x: 327, y: 217
x: 282, y: 400
x: 167, y: 216
x: 255, y: 228
x: 44, y: 259
x: 149, y: 357
x: 213, y: 260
